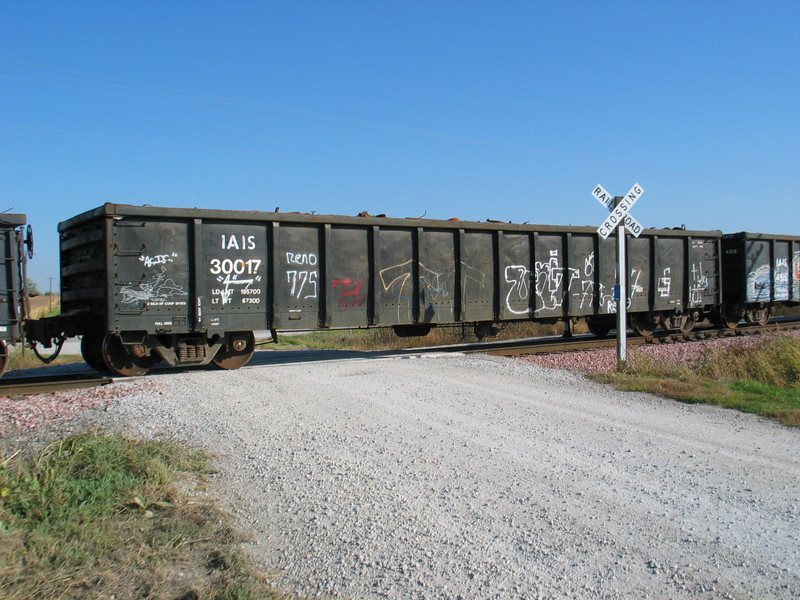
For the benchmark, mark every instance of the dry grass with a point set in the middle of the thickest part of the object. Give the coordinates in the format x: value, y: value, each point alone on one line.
x: 385, y: 339
x: 43, y: 306
x: 100, y: 516
x: 763, y: 379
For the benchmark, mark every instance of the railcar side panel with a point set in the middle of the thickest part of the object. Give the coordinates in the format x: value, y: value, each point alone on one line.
x: 639, y: 274
x: 11, y: 278
x: 703, y: 274
x: 232, y: 283
x: 794, y: 274
x: 397, y: 276
x: 477, y: 275
x: 781, y: 265
x: 514, y: 275
x: 298, y: 251
x: 669, y: 274
x: 349, y: 288
x: 150, y: 288
x: 437, y: 275
x: 550, y: 275
x: 581, y: 279
x: 605, y: 265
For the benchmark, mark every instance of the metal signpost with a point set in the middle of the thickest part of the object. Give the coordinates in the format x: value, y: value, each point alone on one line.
x: 619, y: 219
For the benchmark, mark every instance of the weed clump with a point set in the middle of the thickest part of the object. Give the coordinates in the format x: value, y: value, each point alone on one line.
x: 99, y: 515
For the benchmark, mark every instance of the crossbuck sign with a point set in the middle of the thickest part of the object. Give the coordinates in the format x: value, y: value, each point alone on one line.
x: 620, y: 218
x: 620, y: 214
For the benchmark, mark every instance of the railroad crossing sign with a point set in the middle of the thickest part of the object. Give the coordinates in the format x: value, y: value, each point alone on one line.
x: 620, y: 214
x: 619, y: 219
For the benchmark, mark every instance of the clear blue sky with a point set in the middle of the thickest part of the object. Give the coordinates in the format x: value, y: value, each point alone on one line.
x: 501, y: 110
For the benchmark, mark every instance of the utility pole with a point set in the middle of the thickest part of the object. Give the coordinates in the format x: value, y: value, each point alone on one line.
x: 50, y: 296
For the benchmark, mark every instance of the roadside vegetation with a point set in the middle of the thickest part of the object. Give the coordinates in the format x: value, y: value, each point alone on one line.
x: 763, y: 378
x: 101, y: 516
x: 24, y: 358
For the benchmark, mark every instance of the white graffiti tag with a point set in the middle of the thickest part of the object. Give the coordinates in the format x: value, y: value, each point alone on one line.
x: 517, y: 276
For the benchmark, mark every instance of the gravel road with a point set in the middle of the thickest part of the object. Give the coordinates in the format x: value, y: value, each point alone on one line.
x: 477, y: 477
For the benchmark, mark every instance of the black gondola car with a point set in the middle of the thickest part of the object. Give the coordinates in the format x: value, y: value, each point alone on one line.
x: 189, y: 286
x: 15, y: 249
x: 760, y: 271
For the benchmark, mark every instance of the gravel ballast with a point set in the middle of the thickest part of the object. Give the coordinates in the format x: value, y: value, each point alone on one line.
x: 478, y: 477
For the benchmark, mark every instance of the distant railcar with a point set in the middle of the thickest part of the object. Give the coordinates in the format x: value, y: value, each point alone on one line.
x: 188, y: 287
x: 760, y: 271
x: 15, y: 249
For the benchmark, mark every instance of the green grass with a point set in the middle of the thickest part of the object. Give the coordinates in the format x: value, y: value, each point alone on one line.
x: 763, y: 379
x: 101, y: 516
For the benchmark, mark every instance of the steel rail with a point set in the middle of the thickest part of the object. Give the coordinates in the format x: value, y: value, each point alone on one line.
x: 590, y: 342
x: 27, y: 386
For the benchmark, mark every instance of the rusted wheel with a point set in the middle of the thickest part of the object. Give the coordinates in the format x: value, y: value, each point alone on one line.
x: 238, y: 353
x: 599, y: 326
x: 643, y: 324
x: 759, y: 316
x: 92, y: 351
x: 688, y: 325
x: 120, y: 360
x: 3, y: 357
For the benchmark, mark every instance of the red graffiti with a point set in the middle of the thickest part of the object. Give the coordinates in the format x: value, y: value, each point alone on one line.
x: 351, y: 296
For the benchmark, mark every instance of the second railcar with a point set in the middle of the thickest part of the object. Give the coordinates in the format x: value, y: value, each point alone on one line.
x: 760, y: 271
x: 189, y: 286
x: 15, y: 248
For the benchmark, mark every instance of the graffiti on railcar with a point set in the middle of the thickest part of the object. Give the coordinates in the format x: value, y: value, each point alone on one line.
x: 553, y: 283
x: 351, y: 294
x: 550, y: 282
x: 664, y: 285
x: 698, y: 284
x: 304, y: 278
x: 158, y: 290
x: 781, y: 279
x: 758, y: 284
x: 796, y: 276
x: 158, y: 259
x: 436, y: 285
x: 519, y: 291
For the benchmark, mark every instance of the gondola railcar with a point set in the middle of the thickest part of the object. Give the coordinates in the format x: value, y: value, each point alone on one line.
x: 142, y: 284
x: 15, y: 249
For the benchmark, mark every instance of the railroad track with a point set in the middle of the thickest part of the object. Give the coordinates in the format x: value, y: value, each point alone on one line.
x: 21, y: 386
x: 26, y: 386
x: 590, y: 342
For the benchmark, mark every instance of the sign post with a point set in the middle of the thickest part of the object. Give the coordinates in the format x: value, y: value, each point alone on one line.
x: 619, y: 219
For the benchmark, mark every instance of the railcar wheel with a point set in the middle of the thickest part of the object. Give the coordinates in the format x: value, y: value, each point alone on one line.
x: 644, y: 325
x: 120, y: 361
x: 758, y: 316
x: 238, y: 353
x: 599, y: 327
x: 92, y: 351
x: 687, y: 326
x: 3, y: 357
x: 729, y: 317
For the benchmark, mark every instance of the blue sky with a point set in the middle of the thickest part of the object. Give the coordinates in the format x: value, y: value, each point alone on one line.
x: 478, y: 110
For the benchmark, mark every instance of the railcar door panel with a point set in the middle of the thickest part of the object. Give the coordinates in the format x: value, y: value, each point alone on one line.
x: 232, y: 278
x: 477, y: 275
x: 151, y: 277
x: 350, y: 289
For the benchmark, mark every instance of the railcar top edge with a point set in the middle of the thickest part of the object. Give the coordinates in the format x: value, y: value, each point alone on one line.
x: 114, y: 210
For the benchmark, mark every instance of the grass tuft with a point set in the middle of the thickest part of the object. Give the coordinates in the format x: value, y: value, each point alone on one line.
x: 99, y: 515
